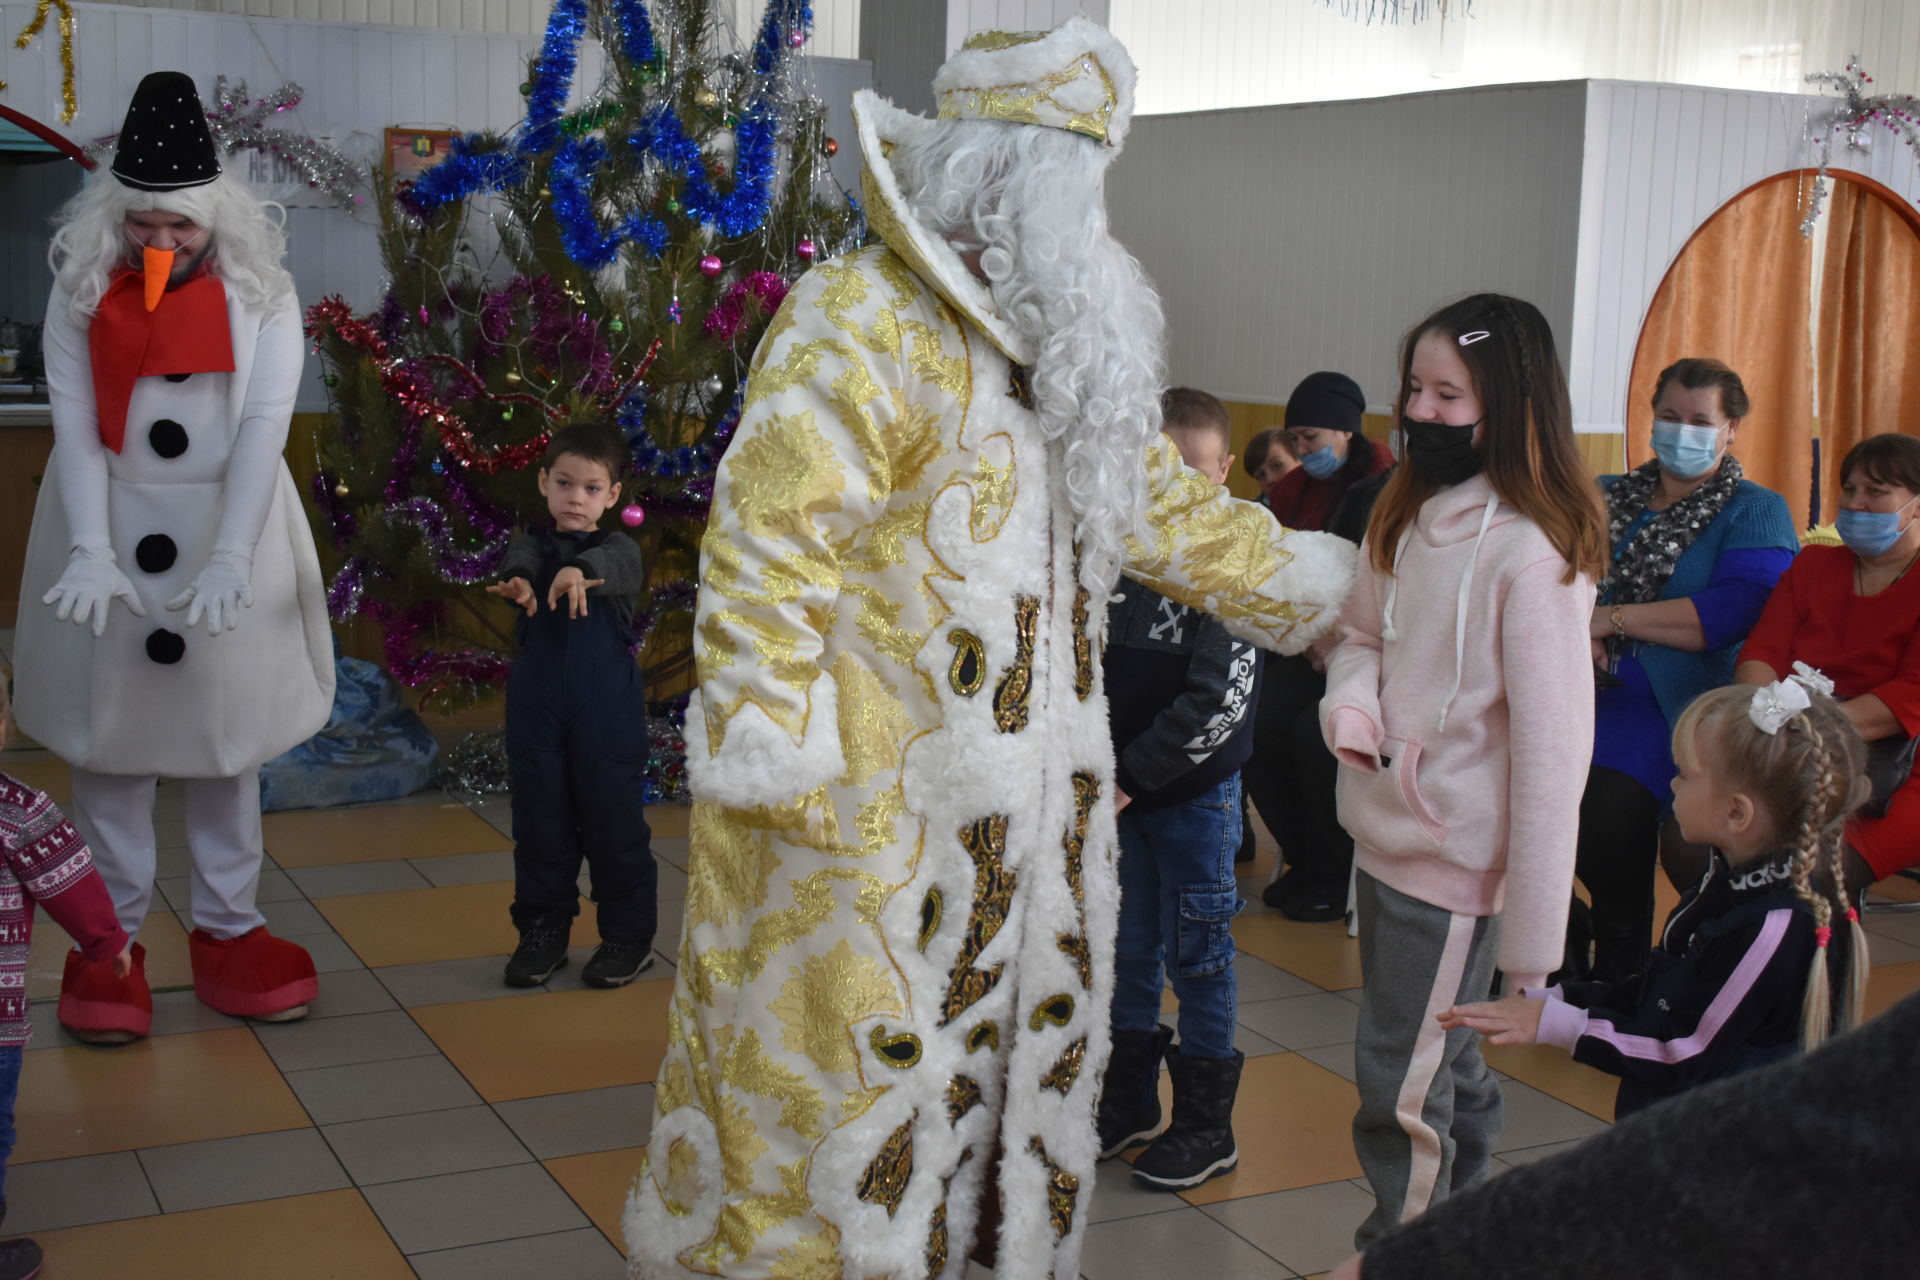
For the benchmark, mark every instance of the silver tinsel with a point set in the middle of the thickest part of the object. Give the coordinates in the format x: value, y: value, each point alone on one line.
x: 478, y: 762
x: 1898, y: 113
x: 239, y: 123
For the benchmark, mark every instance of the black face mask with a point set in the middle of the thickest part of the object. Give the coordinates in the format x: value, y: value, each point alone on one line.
x: 1440, y: 454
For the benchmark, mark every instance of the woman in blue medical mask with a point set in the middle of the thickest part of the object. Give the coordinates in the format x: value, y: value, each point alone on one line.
x: 1853, y: 612
x: 1695, y: 551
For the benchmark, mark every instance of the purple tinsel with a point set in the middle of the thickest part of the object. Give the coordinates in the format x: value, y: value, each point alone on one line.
x: 341, y: 525
x: 343, y: 597
x: 451, y: 563
x: 482, y: 515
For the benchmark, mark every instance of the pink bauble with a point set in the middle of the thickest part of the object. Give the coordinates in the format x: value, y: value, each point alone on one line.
x: 631, y: 515
x: 711, y: 265
x: 796, y: 38
x: 806, y: 249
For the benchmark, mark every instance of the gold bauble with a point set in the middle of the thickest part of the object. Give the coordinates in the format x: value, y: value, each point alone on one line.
x: 340, y: 490
x: 705, y: 98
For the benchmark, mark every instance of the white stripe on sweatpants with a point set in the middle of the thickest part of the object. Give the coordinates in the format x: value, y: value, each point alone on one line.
x: 1429, y: 1047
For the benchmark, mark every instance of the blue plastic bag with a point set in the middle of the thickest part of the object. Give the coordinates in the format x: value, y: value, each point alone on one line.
x: 374, y: 747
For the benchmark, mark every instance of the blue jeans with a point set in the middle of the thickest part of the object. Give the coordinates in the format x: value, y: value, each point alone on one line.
x: 1178, y: 899
x: 9, y: 1089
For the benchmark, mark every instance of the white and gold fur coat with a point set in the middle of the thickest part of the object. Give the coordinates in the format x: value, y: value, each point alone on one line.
x: 900, y: 918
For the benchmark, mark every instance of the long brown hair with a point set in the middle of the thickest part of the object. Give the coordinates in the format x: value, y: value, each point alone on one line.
x: 1528, y: 442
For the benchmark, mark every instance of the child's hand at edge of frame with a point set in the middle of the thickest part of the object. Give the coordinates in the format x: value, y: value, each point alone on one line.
x: 1510, y: 1020
x: 123, y: 963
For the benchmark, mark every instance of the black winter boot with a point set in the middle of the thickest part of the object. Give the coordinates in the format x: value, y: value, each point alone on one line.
x: 1199, y: 1143
x: 542, y: 950
x: 19, y: 1259
x: 1130, y: 1094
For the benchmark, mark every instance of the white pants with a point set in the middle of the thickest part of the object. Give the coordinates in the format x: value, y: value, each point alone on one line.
x: 114, y: 814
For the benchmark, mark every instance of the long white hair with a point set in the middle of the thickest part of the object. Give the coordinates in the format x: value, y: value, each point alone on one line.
x: 1033, y: 199
x: 89, y: 243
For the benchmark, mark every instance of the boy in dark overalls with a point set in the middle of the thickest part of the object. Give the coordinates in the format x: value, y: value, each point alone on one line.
x: 577, y: 723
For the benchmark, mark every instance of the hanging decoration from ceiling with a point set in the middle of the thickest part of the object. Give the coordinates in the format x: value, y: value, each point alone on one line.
x: 1390, y: 11
x: 1897, y: 113
x: 69, y: 102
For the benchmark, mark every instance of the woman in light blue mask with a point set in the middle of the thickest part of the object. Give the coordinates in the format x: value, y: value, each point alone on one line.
x: 1853, y: 612
x: 1695, y: 550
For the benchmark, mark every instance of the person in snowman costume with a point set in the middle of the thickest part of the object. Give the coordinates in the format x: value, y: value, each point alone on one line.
x: 184, y: 627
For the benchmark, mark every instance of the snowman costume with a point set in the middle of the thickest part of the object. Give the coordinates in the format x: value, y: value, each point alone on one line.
x: 169, y: 529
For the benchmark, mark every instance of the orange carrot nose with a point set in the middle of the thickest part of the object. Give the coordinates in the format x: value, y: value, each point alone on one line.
x: 159, y: 268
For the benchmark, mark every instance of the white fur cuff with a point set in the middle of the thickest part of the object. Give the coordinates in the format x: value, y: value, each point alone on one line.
x: 759, y: 763
x: 1319, y: 576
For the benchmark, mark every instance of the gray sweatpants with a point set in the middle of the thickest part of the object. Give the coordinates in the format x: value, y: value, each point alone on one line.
x: 1429, y: 1104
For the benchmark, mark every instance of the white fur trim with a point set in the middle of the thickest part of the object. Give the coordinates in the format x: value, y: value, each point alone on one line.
x: 759, y: 763
x: 1032, y: 62
x: 655, y: 1235
x: 1320, y: 573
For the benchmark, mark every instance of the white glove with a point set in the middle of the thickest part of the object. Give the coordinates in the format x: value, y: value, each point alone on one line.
x: 219, y: 592
x: 91, y: 583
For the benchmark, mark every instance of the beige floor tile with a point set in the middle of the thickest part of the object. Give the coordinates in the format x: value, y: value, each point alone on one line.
x: 152, y: 1093
x: 168, y: 964
x: 1549, y: 1069
x: 1295, y: 1123
x: 556, y: 1043
x: 314, y: 1237
x: 41, y: 770
x: 375, y: 833
x: 1887, y: 986
x: 1898, y: 889
x: 417, y: 926
x: 1323, y: 954
x: 668, y: 819
x: 599, y: 1183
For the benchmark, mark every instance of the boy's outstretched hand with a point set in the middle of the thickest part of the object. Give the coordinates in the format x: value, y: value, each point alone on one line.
x: 123, y: 963
x: 572, y: 584
x: 1512, y: 1020
x: 518, y: 590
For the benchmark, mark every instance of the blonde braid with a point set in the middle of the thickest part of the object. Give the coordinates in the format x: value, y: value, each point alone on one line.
x: 1816, y: 1008
x: 1831, y: 801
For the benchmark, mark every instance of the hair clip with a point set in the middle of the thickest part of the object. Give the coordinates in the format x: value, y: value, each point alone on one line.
x: 1775, y: 704
x: 1468, y: 339
x: 1811, y: 678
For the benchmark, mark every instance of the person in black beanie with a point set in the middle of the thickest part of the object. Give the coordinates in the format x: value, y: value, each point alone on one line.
x: 1291, y: 777
x: 1798, y: 1169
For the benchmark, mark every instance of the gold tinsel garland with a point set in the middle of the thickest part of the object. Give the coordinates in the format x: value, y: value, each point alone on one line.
x: 69, y: 104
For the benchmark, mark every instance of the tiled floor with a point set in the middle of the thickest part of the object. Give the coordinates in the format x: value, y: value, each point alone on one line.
x: 428, y: 1121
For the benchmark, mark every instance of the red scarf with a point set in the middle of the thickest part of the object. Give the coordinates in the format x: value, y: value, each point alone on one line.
x: 126, y: 341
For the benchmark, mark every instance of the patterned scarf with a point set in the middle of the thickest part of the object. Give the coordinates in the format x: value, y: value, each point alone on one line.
x: 1644, y: 566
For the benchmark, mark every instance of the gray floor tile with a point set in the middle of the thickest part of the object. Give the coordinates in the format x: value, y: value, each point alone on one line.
x: 50, y: 1194
x: 673, y: 850
x: 275, y: 886
x: 364, y: 1091
x: 673, y: 882
x: 445, y: 981
x: 473, y: 1208
x: 1255, y: 979
x: 1901, y: 926
x: 358, y: 877
x: 1527, y: 1155
x: 1885, y: 950
x: 1302, y: 1022
x: 1117, y: 1195
x: 178, y: 1012
x: 330, y: 953
x: 570, y: 1124
x: 1534, y: 1119
x: 350, y: 992
x: 1254, y: 1045
x: 568, y: 979
x: 260, y: 1166
x: 294, y: 919
x: 172, y: 861
x: 1355, y: 994
x: 1309, y: 1229
x: 576, y: 1255
x: 426, y: 1144
x: 1185, y: 1242
x: 1337, y: 1058
x: 43, y: 1016
x: 466, y: 868
x: 339, y: 1042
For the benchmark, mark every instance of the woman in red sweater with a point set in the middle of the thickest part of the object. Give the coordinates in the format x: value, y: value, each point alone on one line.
x: 1854, y: 613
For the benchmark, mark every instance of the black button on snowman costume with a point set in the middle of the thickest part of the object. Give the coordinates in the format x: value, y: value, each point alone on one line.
x: 168, y: 526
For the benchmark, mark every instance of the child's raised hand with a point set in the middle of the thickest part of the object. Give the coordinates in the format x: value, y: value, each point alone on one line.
x: 1511, y: 1020
x: 518, y: 590
x: 123, y: 963
x: 572, y: 584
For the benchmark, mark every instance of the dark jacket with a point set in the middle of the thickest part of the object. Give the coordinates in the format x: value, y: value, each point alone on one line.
x: 1721, y: 993
x: 540, y: 554
x: 1181, y: 693
x: 1299, y: 501
x: 1351, y: 517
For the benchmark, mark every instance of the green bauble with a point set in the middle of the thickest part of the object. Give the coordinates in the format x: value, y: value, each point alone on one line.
x: 617, y: 325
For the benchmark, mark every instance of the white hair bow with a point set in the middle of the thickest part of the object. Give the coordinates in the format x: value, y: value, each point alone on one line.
x: 1811, y: 678
x: 1775, y: 704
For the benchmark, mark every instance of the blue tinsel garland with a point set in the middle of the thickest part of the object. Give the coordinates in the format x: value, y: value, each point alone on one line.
x: 570, y: 179
x: 463, y: 172
x: 553, y: 73
x: 636, y: 30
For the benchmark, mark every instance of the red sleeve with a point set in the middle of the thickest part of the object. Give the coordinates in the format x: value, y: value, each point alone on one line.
x: 55, y: 869
x: 85, y: 911
x: 1901, y: 693
x: 1771, y: 640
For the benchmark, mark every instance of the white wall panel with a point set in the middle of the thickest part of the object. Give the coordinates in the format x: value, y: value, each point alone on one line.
x: 1290, y: 239
x: 1016, y: 15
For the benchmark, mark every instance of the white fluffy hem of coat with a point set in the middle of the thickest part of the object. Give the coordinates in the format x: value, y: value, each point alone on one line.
x: 759, y: 763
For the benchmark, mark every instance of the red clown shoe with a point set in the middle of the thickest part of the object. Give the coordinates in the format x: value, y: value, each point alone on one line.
x: 255, y: 975
x: 100, y: 1008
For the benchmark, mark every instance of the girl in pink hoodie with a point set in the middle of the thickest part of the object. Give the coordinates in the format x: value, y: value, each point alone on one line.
x: 1460, y: 704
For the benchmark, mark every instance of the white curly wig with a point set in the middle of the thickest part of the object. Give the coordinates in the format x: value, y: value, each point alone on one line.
x: 247, y: 247
x: 1033, y: 200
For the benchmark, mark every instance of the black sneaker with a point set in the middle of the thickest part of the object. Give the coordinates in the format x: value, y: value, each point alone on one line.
x: 615, y: 964
x: 541, y: 953
x: 1313, y: 901
x: 19, y: 1259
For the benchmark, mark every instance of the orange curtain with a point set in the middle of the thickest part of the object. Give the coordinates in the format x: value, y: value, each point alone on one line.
x: 1869, y: 346
x: 1741, y: 291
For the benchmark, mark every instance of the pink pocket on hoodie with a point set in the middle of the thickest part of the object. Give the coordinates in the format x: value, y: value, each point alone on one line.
x: 1385, y: 810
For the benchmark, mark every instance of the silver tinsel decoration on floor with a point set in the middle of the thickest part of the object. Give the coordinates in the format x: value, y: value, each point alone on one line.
x: 478, y: 762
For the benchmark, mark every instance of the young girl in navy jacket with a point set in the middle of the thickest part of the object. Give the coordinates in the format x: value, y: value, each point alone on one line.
x: 1740, y: 979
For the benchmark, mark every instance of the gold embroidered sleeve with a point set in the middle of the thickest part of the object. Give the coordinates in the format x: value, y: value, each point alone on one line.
x: 1276, y: 587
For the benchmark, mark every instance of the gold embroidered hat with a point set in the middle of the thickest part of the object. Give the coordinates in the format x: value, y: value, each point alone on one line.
x: 1075, y: 77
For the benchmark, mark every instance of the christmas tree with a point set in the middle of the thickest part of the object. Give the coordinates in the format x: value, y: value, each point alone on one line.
x: 613, y: 261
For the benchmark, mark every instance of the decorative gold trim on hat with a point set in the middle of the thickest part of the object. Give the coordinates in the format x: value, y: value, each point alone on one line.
x: 1034, y: 103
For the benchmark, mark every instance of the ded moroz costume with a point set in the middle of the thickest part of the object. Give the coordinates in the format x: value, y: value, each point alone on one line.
x: 897, y: 961
x: 167, y: 502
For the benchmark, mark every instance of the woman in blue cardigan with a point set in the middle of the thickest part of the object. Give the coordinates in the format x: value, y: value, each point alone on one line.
x: 1696, y: 550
